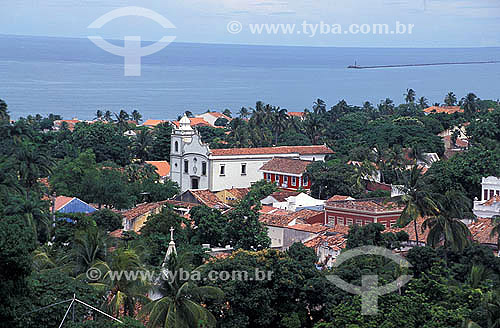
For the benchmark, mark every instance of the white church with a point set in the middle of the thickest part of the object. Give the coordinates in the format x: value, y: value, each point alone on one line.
x: 195, y: 166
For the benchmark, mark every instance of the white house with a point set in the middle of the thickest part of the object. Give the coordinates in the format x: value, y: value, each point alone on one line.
x: 489, y: 205
x: 211, y: 117
x: 300, y: 202
x: 195, y: 166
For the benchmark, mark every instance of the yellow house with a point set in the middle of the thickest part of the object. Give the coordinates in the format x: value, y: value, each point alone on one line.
x: 231, y: 196
x: 137, y: 217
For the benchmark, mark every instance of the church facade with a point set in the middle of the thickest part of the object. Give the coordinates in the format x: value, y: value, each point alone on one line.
x: 195, y: 166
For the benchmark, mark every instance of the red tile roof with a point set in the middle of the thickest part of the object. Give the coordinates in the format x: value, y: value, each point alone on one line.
x: 286, y: 165
x: 278, y: 217
x: 313, y: 228
x: 297, y: 114
x: 162, y: 167
x: 494, y: 199
x: 481, y: 230
x: 61, y: 201
x: 376, y: 205
x: 195, y: 121
x: 208, y: 198
x: 141, y: 209
x: 302, y: 150
x: 238, y: 193
x: 282, y: 195
x: 336, y: 198
x: 410, y: 230
x: 443, y: 109
x: 152, y: 123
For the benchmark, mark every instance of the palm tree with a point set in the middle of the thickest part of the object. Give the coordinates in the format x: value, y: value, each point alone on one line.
x: 319, y: 107
x: 386, y: 107
x: 243, y: 113
x: 470, y: 104
x: 108, y: 116
x: 124, y: 293
x: 142, y: 145
x: 34, y: 211
x: 454, y: 232
x: 417, y: 201
x: 179, y: 307
x: 99, y: 115
x: 136, y: 116
x: 280, y: 123
x: 314, y: 127
x: 4, y: 113
x: 31, y: 163
x: 122, y: 120
x: 422, y: 103
x: 410, y: 96
x: 450, y: 99
x: 453, y: 207
x: 89, y: 247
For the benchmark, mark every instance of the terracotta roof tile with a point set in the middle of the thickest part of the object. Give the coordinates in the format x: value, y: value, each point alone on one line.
x: 153, y: 122
x: 195, y: 121
x: 282, y: 195
x: 238, y: 193
x: 208, y: 198
x: 162, y: 167
x: 336, y: 198
x: 443, y: 109
x: 481, y: 230
x: 286, y: 165
x: 61, y: 201
x: 297, y: 114
x: 313, y: 228
x: 492, y: 200
x: 302, y: 150
x: 375, y: 204
x: 141, y: 209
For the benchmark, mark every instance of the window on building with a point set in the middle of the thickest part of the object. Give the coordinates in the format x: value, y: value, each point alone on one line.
x: 359, y: 222
x: 340, y: 221
x: 176, y: 146
x: 186, y: 166
x: 285, y: 179
x: 203, y: 168
x: 243, y: 169
x: 485, y: 195
x: 305, y: 180
x: 331, y: 220
x: 349, y: 222
x: 393, y: 224
x: 492, y: 193
x: 223, y: 169
x: 294, y: 181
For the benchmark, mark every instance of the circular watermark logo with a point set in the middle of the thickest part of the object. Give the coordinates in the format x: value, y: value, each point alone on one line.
x: 94, y: 274
x: 234, y: 27
x: 369, y: 289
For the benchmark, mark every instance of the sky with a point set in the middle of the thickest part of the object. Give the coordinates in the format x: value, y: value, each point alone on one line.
x: 437, y: 23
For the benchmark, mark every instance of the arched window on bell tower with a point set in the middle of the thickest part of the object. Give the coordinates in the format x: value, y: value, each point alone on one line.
x: 176, y: 146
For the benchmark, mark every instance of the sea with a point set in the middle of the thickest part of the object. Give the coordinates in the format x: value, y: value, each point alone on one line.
x: 75, y: 78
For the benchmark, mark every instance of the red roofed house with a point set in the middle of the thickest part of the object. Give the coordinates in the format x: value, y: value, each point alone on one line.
x: 193, y: 122
x: 287, y: 173
x: 162, y: 168
x: 443, y: 109
x: 58, y: 124
x: 195, y: 166
x: 135, y: 218
x: 300, y: 115
x: 153, y: 123
x: 285, y: 227
x: 362, y: 211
